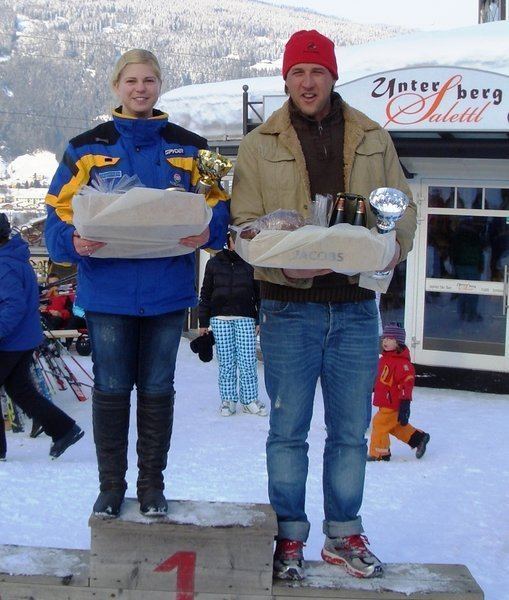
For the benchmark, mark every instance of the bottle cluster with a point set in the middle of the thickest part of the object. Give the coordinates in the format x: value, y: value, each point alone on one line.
x: 340, y: 211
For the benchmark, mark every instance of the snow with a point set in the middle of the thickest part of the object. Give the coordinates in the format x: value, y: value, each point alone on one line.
x: 405, y: 579
x: 209, y: 514
x: 448, y: 507
x: 214, y: 110
x: 24, y: 24
x: 17, y: 560
x: 39, y: 166
x: 7, y: 91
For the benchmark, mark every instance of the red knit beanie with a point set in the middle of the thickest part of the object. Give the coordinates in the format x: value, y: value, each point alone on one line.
x: 310, y: 47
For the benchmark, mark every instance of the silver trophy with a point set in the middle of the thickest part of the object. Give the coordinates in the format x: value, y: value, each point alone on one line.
x: 388, y: 205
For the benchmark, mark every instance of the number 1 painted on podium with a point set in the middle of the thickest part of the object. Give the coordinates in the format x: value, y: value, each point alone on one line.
x: 185, y: 563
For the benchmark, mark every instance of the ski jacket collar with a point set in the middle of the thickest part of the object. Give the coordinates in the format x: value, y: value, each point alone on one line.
x: 404, y: 353
x: 336, y: 111
x: 280, y: 120
x: 142, y: 132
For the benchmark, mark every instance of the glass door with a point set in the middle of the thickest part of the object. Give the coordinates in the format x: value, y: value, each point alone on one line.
x: 462, y: 307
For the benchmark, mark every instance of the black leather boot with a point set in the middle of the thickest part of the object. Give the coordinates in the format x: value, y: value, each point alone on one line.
x: 110, y: 415
x: 419, y: 441
x: 155, y: 422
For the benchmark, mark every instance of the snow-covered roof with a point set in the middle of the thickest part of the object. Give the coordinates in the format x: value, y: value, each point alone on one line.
x: 214, y: 110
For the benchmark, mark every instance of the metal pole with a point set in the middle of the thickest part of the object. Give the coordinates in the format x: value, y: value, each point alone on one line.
x: 245, y: 108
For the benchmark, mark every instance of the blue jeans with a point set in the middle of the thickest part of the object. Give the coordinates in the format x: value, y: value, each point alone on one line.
x: 338, y: 343
x: 130, y: 350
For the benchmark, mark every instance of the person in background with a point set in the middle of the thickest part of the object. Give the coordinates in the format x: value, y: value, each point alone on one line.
x: 467, y: 256
x: 392, y: 395
x: 134, y: 308
x: 229, y: 302
x: 315, y: 324
x: 20, y: 334
x: 55, y: 308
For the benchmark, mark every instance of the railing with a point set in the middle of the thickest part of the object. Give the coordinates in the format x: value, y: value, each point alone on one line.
x: 247, y: 123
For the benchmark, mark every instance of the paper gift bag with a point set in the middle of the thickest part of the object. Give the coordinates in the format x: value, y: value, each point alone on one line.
x: 344, y: 248
x: 141, y: 223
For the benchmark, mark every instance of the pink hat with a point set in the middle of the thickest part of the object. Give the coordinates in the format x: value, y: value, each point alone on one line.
x: 310, y: 47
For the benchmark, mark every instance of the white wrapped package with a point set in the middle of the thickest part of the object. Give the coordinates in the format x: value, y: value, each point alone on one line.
x: 343, y: 248
x: 140, y: 223
x: 366, y: 280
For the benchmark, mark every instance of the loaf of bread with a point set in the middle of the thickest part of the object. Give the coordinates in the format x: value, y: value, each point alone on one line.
x: 281, y: 219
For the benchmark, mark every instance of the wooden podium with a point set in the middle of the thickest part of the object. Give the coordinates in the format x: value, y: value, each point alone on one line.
x: 201, y: 548
x: 207, y: 551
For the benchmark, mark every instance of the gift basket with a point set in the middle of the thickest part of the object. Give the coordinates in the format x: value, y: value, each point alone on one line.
x: 283, y: 239
x: 136, y: 221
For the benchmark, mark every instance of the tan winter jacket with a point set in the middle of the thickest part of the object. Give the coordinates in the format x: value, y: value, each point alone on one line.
x: 270, y: 173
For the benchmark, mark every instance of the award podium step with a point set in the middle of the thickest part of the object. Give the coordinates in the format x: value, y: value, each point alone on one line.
x: 204, y: 551
x: 400, y: 581
x: 200, y: 547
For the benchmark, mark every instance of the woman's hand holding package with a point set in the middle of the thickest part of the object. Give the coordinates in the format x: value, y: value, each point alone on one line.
x: 196, y: 241
x: 85, y: 247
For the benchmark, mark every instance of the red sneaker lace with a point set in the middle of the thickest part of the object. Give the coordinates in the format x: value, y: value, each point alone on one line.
x: 289, y: 549
x: 357, y: 542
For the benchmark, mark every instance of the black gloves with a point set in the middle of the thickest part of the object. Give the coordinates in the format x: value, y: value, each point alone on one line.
x: 404, y: 412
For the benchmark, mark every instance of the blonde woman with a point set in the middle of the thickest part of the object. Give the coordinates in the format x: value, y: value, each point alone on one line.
x: 134, y: 308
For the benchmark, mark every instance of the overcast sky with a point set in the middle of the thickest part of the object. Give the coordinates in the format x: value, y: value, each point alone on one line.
x: 407, y: 13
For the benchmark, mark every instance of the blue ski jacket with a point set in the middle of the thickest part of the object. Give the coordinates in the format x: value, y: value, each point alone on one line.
x: 20, y: 322
x: 162, y: 155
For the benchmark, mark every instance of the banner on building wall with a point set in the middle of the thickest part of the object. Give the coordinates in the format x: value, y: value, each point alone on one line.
x: 427, y: 98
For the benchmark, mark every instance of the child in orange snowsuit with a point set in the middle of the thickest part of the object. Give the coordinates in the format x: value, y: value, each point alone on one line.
x: 392, y: 395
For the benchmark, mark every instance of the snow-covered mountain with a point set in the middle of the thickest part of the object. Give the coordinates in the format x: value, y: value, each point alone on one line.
x: 215, y: 110
x: 32, y: 169
x: 57, y: 56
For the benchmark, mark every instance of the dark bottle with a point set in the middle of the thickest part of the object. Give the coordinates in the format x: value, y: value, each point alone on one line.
x: 360, y: 213
x: 338, y: 213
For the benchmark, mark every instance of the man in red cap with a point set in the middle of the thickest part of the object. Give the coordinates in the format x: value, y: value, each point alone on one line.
x: 317, y: 324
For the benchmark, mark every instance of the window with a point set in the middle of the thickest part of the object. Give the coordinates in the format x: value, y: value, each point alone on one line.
x: 470, y: 198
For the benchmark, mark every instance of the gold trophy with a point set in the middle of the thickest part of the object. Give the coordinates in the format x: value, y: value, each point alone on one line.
x: 212, y: 167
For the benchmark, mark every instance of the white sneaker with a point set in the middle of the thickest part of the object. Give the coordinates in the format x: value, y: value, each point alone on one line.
x: 352, y: 552
x: 255, y: 408
x: 228, y: 408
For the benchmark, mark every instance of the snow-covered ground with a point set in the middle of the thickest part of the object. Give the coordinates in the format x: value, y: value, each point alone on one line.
x: 449, y: 507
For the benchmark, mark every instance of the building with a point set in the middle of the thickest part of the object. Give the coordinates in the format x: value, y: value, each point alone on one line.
x: 444, y: 97
x: 492, y: 10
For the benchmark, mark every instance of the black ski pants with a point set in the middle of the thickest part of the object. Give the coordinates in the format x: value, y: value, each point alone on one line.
x: 16, y: 378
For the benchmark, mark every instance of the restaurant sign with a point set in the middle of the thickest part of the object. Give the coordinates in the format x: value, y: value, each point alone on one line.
x: 428, y: 98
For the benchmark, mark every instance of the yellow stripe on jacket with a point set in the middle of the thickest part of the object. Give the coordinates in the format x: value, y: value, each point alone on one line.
x: 63, y: 202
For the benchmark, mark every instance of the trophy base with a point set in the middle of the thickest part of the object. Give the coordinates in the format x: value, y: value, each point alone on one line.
x: 203, y: 188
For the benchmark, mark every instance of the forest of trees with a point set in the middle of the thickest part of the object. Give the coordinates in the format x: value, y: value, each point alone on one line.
x: 56, y: 56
